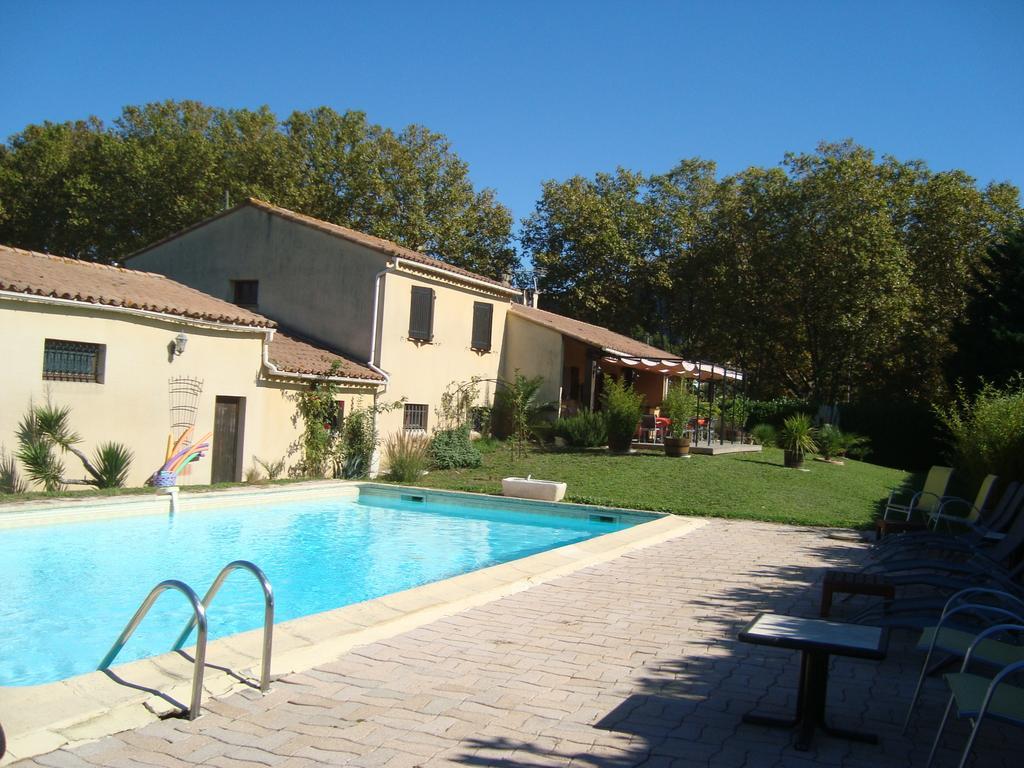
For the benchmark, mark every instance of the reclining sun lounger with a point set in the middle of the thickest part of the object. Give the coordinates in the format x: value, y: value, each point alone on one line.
x: 899, y: 514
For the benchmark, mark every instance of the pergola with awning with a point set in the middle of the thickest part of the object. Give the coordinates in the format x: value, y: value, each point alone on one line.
x: 676, y: 367
x: 589, y: 349
x: 714, y: 383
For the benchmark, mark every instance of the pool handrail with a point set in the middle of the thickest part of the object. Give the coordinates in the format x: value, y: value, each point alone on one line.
x: 268, y: 613
x: 198, y: 618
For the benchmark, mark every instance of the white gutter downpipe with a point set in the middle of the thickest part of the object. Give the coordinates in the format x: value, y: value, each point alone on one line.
x: 373, y: 331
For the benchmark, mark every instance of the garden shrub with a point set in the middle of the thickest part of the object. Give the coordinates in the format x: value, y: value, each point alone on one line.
x: 679, y: 406
x: 623, y: 407
x: 480, y: 419
x: 903, y: 433
x: 274, y: 469
x: 736, y: 413
x: 585, y: 429
x: 452, y: 449
x: 406, y: 454
x: 358, y: 442
x: 518, y: 412
x: 986, y: 432
x: 764, y: 434
x: 774, y: 412
x: 832, y: 441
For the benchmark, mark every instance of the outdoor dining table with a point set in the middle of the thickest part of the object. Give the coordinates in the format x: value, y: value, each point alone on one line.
x: 816, y: 639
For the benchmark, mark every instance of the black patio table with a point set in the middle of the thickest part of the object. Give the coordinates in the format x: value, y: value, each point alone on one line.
x: 816, y: 639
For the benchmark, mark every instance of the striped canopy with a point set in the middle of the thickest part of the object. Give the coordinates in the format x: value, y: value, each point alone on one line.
x: 676, y: 367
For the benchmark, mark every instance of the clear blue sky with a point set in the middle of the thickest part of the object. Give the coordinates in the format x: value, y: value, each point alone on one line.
x: 528, y: 91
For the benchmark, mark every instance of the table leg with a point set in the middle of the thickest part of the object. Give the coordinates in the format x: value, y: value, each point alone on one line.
x: 815, y: 692
x: 816, y: 697
x: 785, y: 722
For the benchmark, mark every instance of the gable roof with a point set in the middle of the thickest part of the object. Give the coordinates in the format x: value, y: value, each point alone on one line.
x: 40, y: 274
x: 595, y: 335
x: 293, y: 354
x: 378, y: 244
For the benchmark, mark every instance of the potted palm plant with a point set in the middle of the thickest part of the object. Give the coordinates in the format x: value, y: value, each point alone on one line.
x: 678, y: 407
x: 797, y: 439
x: 622, y: 407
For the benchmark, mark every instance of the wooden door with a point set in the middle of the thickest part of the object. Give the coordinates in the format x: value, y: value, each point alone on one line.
x: 227, y: 437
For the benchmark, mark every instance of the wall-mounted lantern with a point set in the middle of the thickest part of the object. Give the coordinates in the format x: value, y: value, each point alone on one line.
x: 179, y: 343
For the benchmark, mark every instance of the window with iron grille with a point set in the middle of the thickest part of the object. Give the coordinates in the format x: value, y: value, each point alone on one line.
x: 415, y: 417
x: 73, y: 361
x: 421, y: 314
x: 246, y: 293
x: 483, y: 313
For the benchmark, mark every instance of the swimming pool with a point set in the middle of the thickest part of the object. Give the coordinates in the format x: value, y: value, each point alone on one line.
x: 69, y: 588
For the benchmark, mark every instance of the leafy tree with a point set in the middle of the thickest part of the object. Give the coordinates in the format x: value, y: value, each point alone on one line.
x: 517, y: 402
x: 835, y: 276
x: 990, y: 338
x: 86, y: 190
x: 592, y: 238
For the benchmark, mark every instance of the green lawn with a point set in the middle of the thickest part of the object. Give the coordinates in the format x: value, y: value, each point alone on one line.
x: 752, y: 486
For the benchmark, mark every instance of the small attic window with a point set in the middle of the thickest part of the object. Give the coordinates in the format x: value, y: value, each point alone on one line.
x: 246, y: 293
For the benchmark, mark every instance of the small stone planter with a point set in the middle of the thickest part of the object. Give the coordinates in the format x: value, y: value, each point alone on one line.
x: 528, y: 488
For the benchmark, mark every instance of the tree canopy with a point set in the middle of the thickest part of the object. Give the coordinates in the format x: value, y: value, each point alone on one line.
x: 834, y: 275
x: 99, y: 192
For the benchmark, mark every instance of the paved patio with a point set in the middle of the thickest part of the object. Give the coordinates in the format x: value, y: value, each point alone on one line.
x: 631, y: 662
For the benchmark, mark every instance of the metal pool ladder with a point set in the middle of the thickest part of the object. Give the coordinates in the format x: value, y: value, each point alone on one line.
x: 198, y: 619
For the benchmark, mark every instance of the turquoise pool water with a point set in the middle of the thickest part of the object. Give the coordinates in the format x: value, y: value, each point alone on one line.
x: 67, y: 590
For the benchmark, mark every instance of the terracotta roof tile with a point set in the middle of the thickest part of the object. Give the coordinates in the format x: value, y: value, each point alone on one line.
x: 378, y: 244
x: 40, y: 274
x: 294, y: 354
x: 594, y: 335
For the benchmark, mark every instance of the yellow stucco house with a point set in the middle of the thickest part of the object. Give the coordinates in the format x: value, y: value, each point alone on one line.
x: 417, y: 321
x: 137, y: 356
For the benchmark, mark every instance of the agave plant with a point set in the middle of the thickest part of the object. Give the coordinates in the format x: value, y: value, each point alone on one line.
x: 111, y: 464
x: 10, y: 478
x: 44, y: 428
x: 35, y: 452
x: 797, y: 439
x: 274, y: 469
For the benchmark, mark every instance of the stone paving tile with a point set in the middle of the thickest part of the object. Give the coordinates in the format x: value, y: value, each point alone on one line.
x: 633, y: 662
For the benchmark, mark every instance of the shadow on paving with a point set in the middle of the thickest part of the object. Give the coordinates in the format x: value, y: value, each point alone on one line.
x: 687, y: 711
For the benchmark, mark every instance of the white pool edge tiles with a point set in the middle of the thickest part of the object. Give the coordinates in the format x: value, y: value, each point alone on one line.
x: 70, y: 510
x: 40, y: 718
